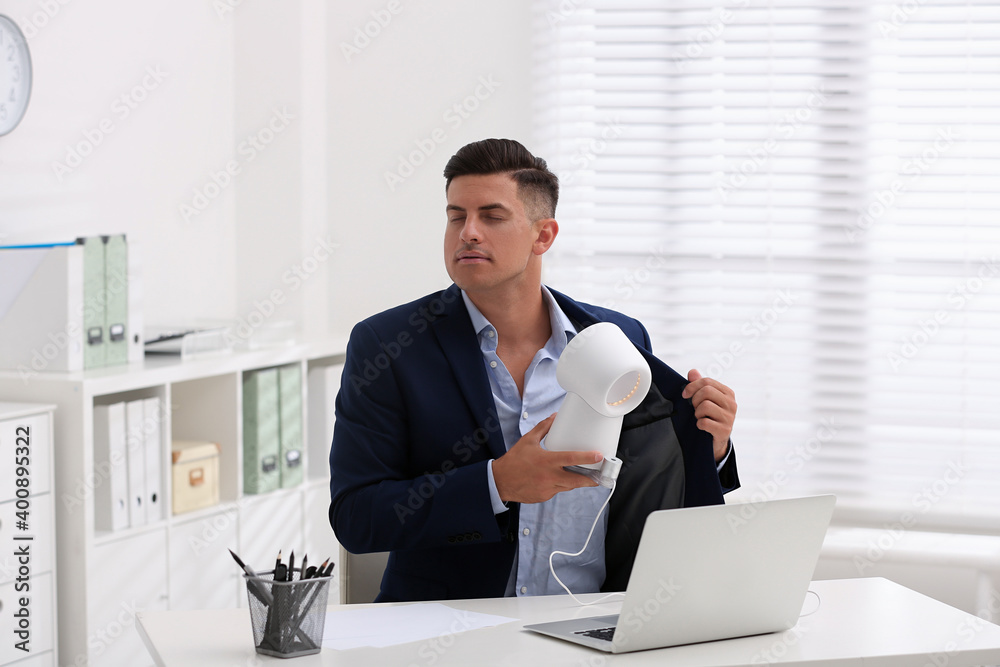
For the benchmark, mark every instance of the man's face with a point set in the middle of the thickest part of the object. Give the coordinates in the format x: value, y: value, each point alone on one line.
x: 490, y: 240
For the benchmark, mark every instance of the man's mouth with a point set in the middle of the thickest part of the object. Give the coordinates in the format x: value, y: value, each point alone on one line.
x: 471, y: 258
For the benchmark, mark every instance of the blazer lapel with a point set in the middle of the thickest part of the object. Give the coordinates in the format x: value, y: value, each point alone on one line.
x: 669, y: 382
x: 574, y: 311
x: 460, y: 346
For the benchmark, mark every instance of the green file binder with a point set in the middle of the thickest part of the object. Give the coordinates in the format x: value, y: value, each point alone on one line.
x: 116, y: 289
x: 261, y: 418
x: 290, y: 400
x: 94, y: 298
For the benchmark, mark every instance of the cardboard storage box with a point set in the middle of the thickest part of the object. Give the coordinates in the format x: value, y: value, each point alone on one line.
x: 195, y: 473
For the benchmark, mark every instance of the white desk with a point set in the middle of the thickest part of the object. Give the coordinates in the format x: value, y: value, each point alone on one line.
x: 870, y: 622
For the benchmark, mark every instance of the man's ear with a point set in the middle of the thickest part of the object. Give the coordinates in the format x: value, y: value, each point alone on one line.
x: 547, y: 230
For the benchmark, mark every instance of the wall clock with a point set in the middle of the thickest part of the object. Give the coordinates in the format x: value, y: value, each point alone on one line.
x: 15, y: 75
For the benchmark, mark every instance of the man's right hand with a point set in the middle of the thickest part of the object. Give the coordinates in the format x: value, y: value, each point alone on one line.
x: 527, y: 473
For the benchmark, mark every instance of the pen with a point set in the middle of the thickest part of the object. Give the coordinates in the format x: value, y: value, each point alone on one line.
x: 302, y: 609
x: 317, y: 571
x: 242, y: 565
x: 291, y: 566
x: 280, y: 571
x: 328, y: 571
x: 261, y: 592
x: 273, y: 630
x: 258, y: 592
x: 302, y: 568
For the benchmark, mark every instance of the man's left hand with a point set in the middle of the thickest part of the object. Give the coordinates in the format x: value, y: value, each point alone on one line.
x: 715, y: 407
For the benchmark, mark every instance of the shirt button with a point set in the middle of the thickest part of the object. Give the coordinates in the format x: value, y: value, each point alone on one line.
x: 490, y: 334
x: 493, y: 364
x: 524, y: 415
x: 524, y: 589
x: 526, y: 531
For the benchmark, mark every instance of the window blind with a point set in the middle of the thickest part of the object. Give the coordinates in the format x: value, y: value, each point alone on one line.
x: 802, y: 200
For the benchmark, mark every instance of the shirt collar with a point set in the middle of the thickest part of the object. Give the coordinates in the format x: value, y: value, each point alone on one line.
x: 557, y: 318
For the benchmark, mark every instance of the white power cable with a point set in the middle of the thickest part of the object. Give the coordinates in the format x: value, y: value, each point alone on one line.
x: 582, y: 549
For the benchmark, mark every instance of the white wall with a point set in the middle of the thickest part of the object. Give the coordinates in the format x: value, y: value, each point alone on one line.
x: 394, y: 93
x: 328, y: 126
x: 169, y: 127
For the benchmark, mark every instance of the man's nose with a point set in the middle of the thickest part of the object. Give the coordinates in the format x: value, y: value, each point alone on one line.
x: 470, y: 231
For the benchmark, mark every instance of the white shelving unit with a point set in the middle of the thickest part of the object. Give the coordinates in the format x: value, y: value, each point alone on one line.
x: 182, y: 561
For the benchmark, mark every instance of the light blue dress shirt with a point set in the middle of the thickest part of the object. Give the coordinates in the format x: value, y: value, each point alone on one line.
x: 562, y: 522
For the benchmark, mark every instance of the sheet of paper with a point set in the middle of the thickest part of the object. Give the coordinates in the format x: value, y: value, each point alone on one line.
x: 386, y: 625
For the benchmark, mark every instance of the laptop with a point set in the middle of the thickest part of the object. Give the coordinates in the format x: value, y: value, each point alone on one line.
x: 708, y: 573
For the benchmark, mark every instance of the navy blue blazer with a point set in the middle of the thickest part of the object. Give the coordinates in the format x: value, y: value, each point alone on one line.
x: 416, y: 425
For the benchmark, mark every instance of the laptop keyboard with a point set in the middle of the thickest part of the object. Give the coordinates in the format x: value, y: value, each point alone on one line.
x: 606, y: 634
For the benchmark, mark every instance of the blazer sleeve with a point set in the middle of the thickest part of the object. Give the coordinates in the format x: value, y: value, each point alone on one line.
x: 392, y: 485
x: 729, y: 477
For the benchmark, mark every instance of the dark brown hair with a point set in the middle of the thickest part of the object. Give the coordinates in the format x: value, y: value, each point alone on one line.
x: 537, y: 187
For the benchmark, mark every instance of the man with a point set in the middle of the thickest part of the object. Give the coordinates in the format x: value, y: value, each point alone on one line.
x: 444, y: 401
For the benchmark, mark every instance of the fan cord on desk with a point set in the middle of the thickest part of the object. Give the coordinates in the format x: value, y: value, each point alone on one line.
x: 819, y: 601
x: 582, y: 549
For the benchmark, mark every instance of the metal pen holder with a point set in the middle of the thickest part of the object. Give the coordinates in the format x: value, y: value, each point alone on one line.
x: 287, y: 616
